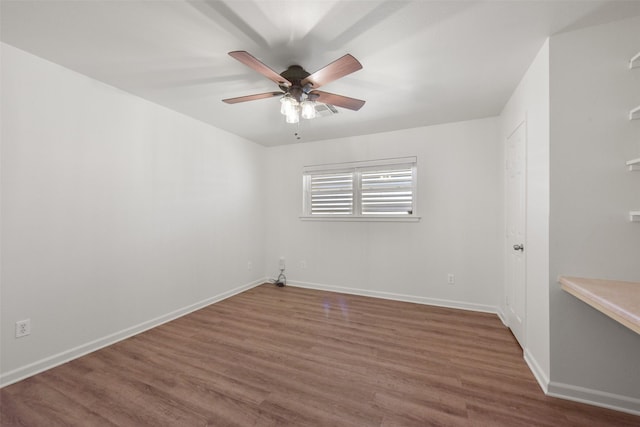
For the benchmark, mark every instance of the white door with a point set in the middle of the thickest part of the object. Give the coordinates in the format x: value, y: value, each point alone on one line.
x: 515, y: 235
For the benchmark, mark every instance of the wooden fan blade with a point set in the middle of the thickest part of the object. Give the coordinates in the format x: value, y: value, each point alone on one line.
x: 250, y: 61
x: 337, y: 69
x: 252, y: 97
x: 337, y: 100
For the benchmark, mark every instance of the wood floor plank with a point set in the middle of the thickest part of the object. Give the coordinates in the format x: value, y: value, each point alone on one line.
x: 291, y: 356
x: 425, y: 410
x: 47, y: 405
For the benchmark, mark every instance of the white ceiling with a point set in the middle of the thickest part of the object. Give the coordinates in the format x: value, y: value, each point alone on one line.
x: 425, y: 62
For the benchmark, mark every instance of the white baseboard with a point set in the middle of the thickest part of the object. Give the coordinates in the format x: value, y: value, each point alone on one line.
x: 399, y: 297
x: 81, y: 350
x: 580, y: 394
x: 537, y: 371
x: 502, y: 316
x: 595, y: 397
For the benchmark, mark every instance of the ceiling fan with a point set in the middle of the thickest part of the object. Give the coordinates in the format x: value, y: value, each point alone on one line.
x: 298, y: 88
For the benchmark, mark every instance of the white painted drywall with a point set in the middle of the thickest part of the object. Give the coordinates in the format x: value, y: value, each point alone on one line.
x: 459, y: 200
x: 530, y: 103
x: 592, y: 91
x: 115, y: 212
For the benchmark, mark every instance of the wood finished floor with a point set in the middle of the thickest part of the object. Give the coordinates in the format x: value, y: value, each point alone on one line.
x: 289, y: 356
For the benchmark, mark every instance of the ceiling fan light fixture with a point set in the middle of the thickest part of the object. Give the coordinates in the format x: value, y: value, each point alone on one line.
x: 301, y: 97
x: 293, y: 115
x: 287, y: 104
x: 308, y: 109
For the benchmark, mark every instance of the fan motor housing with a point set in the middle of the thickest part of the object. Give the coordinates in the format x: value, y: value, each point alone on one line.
x: 295, y: 74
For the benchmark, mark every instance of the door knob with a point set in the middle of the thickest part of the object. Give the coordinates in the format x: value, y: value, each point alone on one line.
x: 518, y: 247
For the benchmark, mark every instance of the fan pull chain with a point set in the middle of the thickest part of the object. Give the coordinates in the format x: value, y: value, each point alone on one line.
x: 297, y: 132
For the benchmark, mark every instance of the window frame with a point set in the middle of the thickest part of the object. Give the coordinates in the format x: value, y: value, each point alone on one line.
x: 357, y: 169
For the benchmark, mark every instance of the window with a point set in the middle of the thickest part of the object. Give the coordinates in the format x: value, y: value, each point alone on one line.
x: 331, y: 193
x: 378, y: 189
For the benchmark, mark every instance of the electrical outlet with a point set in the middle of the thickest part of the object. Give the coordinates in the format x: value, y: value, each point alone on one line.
x: 281, y: 263
x: 303, y: 264
x: 451, y: 279
x: 249, y: 265
x: 23, y: 328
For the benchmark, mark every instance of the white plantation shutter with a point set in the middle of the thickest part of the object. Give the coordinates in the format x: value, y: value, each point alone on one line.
x: 387, y: 191
x: 377, y: 188
x: 331, y: 193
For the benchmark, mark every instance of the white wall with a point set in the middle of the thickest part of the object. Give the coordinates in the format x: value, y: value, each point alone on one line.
x: 530, y: 103
x: 592, y: 91
x: 116, y: 213
x: 459, y: 200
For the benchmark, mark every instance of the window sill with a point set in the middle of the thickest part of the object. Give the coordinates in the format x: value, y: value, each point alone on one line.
x: 360, y: 218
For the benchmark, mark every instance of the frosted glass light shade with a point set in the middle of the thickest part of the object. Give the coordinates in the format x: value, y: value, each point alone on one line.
x: 292, y: 116
x: 287, y: 104
x: 308, y: 109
